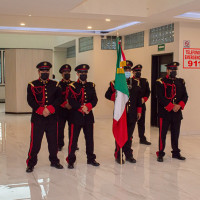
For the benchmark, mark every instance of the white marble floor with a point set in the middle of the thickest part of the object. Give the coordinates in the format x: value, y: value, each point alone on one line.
x: 145, y: 180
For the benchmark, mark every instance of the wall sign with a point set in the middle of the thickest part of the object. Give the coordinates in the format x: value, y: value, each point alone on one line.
x: 161, y: 47
x: 186, y: 43
x: 191, y: 58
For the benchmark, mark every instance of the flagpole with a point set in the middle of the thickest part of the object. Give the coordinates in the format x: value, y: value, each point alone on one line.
x: 120, y: 148
x: 121, y: 156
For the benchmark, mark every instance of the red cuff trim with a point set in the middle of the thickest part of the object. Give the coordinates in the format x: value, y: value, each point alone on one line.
x: 139, y: 109
x: 40, y: 110
x: 113, y: 97
x: 182, y: 104
x: 80, y: 110
x: 89, y: 106
x: 51, y: 109
x: 169, y: 107
x: 145, y: 99
x: 63, y: 104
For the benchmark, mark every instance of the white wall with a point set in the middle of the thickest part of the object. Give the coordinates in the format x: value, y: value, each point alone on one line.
x: 72, y: 63
x: 143, y: 56
x: 21, y: 69
x: 190, y: 125
x: 59, y: 60
x: 102, y: 70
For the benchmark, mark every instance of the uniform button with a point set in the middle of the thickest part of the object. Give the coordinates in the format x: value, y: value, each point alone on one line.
x: 84, y: 92
x: 46, y: 97
x: 46, y: 100
x: 45, y: 92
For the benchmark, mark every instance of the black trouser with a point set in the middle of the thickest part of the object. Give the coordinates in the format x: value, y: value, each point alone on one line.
x: 175, y: 130
x: 61, y: 127
x: 38, y: 127
x: 127, y: 147
x: 73, y: 139
x: 141, y: 124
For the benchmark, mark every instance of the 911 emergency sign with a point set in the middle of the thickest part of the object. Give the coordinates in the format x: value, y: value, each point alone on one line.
x: 191, y: 58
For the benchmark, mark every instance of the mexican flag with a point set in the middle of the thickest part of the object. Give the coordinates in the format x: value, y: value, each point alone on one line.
x: 122, y: 95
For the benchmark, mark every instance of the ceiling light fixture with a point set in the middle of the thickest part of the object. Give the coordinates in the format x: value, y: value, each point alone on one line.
x: 190, y: 15
x: 89, y: 27
x: 29, y: 15
x: 55, y: 30
x: 22, y: 24
x: 107, y: 20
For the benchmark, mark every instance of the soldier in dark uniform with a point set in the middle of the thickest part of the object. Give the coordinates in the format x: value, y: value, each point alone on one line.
x: 82, y: 97
x: 64, y: 109
x: 133, y: 108
x: 43, y: 96
x: 172, y: 97
x: 145, y: 95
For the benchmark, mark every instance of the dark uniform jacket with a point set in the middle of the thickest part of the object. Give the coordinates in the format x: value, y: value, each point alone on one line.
x: 134, y: 104
x: 145, y: 90
x: 62, y: 111
x: 171, y: 92
x: 40, y: 95
x: 79, y: 95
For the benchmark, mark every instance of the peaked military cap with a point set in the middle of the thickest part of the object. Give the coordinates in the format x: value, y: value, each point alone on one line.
x: 64, y: 68
x: 172, y: 66
x: 82, y: 68
x: 44, y: 65
x: 137, y: 68
x: 129, y: 64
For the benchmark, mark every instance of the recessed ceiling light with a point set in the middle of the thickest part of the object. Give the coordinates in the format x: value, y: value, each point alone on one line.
x: 108, y: 20
x: 89, y: 27
x: 22, y: 24
x: 29, y: 15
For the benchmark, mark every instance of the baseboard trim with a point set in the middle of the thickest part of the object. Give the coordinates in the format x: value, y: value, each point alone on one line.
x: 18, y: 112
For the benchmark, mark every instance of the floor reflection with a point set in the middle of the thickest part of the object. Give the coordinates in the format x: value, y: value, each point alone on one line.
x: 145, y: 180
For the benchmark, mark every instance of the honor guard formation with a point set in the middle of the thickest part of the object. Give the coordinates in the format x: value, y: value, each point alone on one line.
x: 55, y: 103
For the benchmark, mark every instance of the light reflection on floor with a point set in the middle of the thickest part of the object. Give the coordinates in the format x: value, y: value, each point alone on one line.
x: 147, y: 179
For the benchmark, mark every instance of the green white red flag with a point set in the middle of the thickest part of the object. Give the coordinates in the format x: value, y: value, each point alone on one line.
x: 122, y: 95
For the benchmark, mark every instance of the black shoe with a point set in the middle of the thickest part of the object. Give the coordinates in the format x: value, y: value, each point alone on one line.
x: 57, y: 165
x: 131, y: 160
x: 118, y: 161
x: 77, y: 148
x: 60, y: 148
x: 145, y: 142
x: 93, y: 162
x: 179, y: 157
x: 70, y: 165
x: 29, y: 169
x: 160, y: 159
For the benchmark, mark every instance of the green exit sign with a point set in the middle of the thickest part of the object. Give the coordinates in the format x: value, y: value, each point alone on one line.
x: 161, y: 47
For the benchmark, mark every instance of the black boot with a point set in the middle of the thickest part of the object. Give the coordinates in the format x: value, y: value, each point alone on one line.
x: 131, y: 159
x: 179, y: 157
x: 70, y: 165
x: 93, y: 162
x: 29, y: 169
x: 118, y: 160
x: 57, y: 165
x: 145, y: 142
x: 160, y: 158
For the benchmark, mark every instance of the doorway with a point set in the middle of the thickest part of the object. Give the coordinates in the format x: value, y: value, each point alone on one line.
x: 158, y: 70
